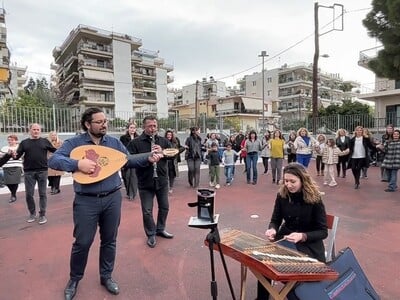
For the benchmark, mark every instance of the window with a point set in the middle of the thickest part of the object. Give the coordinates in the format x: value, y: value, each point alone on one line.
x: 100, y: 63
x: 269, y: 92
x: 397, y: 84
x: 254, y: 83
x: 269, y: 79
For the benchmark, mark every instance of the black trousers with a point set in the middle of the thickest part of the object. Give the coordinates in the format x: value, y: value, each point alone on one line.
x: 13, y: 189
x: 54, y: 182
x: 160, y: 191
x: 88, y: 213
x: 356, y: 165
x: 342, y: 164
x: 291, y: 158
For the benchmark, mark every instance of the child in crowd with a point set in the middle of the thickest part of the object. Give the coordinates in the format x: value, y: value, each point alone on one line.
x: 228, y: 159
x: 213, y: 165
x: 330, y: 158
x: 321, y: 139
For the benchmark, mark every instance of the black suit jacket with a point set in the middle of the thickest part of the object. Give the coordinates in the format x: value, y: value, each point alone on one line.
x: 142, y: 144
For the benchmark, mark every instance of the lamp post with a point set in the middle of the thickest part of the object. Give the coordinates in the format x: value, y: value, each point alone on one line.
x: 263, y: 55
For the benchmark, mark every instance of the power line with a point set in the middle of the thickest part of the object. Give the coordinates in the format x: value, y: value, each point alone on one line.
x: 294, y: 45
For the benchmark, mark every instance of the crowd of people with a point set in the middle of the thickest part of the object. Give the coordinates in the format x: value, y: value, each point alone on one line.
x: 333, y: 155
x: 151, y: 174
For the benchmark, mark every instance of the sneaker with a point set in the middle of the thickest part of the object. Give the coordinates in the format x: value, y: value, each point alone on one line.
x: 31, y: 218
x: 12, y: 199
x: 42, y: 220
x: 170, y: 191
x: 390, y: 190
x: 228, y: 184
x: 217, y: 186
x: 332, y: 184
x: 211, y: 184
x: 325, y: 183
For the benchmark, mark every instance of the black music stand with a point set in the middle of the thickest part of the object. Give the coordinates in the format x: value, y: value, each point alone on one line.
x: 212, y: 239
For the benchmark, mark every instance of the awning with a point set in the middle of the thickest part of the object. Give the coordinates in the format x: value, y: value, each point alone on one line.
x: 252, y: 104
x: 98, y: 75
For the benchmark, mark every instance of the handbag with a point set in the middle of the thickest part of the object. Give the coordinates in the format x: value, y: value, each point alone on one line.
x: 351, y: 284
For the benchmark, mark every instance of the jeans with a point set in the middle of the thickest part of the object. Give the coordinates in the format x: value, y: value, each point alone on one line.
x: 1, y: 177
x: 276, y: 167
x: 303, y: 159
x: 194, y: 171
x: 392, y: 176
x: 88, y: 212
x: 160, y: 191
x: 130, y: 181
x: 31, y: 177
x: 251, y: 161
x: 229, y: 173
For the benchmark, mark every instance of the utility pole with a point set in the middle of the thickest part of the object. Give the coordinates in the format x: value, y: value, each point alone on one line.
x: 315, y: 72
x: 263, y: 55
x: 316, y: 56
x: 195, y: 104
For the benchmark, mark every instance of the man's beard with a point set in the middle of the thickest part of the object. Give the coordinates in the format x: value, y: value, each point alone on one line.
x: 98, y: 135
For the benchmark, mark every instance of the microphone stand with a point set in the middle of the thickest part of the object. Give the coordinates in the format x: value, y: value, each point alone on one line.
x: 214, y: 238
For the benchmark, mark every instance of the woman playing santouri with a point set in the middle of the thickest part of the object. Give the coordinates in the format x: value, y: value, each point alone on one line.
x: 299, y: 216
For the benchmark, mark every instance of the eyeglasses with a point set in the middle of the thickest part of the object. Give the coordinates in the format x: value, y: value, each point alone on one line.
x: 100, y: 122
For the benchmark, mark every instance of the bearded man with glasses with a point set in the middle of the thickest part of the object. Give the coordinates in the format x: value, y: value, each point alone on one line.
x: 96, y: 204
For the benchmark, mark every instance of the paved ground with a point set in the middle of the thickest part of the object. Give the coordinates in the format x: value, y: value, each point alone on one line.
x: 34, y: 258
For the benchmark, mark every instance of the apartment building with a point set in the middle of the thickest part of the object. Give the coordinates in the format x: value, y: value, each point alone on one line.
x: 214, y: 100
x: 95, y: 67
x: 12, y: 77
x: 17, y: 80
x: 204, y: 89
x: 4, y: 57
x: 386, y: 94
x: 289, y: 89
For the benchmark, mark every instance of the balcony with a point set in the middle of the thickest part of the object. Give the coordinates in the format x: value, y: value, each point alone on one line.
x: 368, y: 54
x: 97, y: 101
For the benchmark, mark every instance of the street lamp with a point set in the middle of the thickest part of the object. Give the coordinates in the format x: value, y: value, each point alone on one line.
x: 263, y: 55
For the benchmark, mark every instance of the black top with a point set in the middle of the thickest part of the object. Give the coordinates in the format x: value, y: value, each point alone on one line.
x: 126, y: 138
x: 193, y: 143
x: 4, y: 159
x: 292, y: 214
x: 343, y: 145
x: 238, y: 140
x: 35, y: 153
x: 214, y: 158
x: 142, y: 144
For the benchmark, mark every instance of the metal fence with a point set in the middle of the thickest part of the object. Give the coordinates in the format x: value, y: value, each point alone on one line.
x: 330, y: 124
x: 18, y: 119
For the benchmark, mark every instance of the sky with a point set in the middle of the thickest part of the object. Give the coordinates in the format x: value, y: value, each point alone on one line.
x: 200, y: 38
